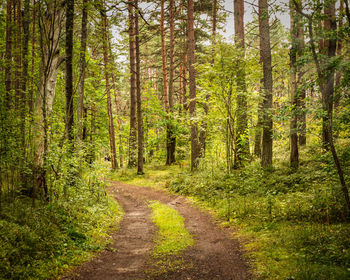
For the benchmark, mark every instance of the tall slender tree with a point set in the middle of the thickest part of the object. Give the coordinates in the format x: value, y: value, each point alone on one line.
x: 171, y: 138
x: 83, y: 39
x: 108, y: 91
x: 294, y: 151
x: 266, y: 157
x: 8, y: 52
x: 241, y: 97
x: 138, y: 95
x: 132, y: 137
x: 69, y: 69
x: 192, y: 86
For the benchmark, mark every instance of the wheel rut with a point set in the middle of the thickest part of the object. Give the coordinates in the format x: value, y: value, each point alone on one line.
x: 215, y: 254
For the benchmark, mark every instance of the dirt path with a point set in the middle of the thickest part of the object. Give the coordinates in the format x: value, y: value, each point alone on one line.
x: 214, y: 256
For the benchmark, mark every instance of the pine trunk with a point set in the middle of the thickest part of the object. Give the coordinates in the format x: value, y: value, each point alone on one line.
x: 294, y: 98
x: 138, y: 96
x: 242, y: 117
x: 8, y: 52
x: 83, y: 38
x: 132, y: 137
x: 192, y: 85
x: 69, y: 69
x: 171, y: 138
x: 266, y: 158
x: 108, y: 92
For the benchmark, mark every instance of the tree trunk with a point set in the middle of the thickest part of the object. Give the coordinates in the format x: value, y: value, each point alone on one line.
x: 138, y: 97
x: 294, y: 98
x: 83, y: 38
x: 242, y: 118
x: 331, y: 26
x: 26, y: 21
x: 18, y: 68
x: 337, y: 95
x: 50, y: 19
x: 266, y: 158
x: 69, y: 70
x: 117, y: 107
x: 109, y: 102
x: 31, y: 94
x: 192, y: 86
x: 171, y: 138
x: 132, y: 138
x: 165, y: 73
x: 8, y: 51
x: 204, y: 125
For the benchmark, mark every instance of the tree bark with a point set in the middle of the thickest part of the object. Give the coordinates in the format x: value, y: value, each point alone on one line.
x: 266, y: 158
x: 50, y: 20
x: 109, y: 102
x: 294, y: 149
x: 241, y: 99
x: 117, y: 107
x: 338, y: 75
x: 69, y: 69
x: 26, y: 22
x: 138, y: 96
x: 83, y: 38
x: 192, y: 86
x: 164, y: 68
x: 132, y: 137
x: 31, y: 94
x: 8, y: 52
x: 19, y: 98
x: 171, y: 138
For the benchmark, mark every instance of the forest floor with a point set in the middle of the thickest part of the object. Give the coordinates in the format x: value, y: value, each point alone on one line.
x: 214, y: 255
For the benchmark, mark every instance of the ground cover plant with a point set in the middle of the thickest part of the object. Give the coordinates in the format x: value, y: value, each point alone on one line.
x: 45, y: 240
x: 171, y: 239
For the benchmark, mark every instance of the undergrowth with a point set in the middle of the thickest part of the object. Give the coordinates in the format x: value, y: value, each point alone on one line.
x: 43, y: 241
x: 294, y: 222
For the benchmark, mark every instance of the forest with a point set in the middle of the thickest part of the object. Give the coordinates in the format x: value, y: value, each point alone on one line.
x: 234, y: 114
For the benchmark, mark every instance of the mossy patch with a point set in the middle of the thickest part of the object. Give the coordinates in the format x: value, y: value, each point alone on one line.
x: 171, y: 240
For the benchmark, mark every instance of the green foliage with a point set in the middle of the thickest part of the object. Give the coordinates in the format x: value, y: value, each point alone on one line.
x: 294, y: 222
x: 171, y: 240
x: 43, y: 241
x: 172, y: 237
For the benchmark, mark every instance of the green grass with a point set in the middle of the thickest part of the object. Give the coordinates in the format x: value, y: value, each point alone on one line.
x: 44, y: 241
x: 172, y: 236
x: 171, y: 240
x: 156, y: 176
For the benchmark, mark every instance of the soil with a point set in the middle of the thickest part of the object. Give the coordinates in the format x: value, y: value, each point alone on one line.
x: 215, y: 255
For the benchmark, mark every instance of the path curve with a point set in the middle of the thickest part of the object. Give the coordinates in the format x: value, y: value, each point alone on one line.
x: 215, y: 254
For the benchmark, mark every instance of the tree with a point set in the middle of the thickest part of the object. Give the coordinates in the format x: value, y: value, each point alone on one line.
x: 294, y: 95
x: 264, y: 28
x: 241, y: 99
x: 132, y: 137
x: 108, y: 92
x: 171, y: 138
x: 192, y: 86
x: 69, y: 69
x: 83, y: 38
x: 50, y: 18
x: 326, y: 84
x: 138, y: 95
